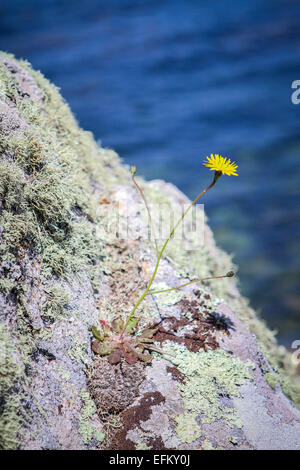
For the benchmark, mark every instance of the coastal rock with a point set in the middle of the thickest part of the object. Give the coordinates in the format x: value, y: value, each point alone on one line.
x: 74, y: 248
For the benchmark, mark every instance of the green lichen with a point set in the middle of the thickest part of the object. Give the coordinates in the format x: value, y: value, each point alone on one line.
x: 48, y: 178
x: 56, y: 304
x: 187, y: 428
x: 271, y: 379
x: 65, y: 374
x: 233, y: 441
x: 12, y: 373
x: 207, y: 445
x: 78, y: 352
x: 86, y: 429
x: 208, y: 377
x: 290, y: 389
x: 166, y: 298
x: 142, y: 446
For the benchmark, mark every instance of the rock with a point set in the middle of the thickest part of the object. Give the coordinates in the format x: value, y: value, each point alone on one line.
x: 74, y: 248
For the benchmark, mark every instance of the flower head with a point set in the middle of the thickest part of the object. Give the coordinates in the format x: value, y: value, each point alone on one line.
x: 221, y: 164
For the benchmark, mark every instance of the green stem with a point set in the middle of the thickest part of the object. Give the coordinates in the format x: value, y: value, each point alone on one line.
x: 186, y: 284
x: 148, y: 210
x: 216, y: 177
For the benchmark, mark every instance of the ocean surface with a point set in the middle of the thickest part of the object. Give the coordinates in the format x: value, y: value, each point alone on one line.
x: 166, y: 83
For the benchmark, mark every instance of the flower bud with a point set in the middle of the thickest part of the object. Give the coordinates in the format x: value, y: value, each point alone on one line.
x: 230, y: 274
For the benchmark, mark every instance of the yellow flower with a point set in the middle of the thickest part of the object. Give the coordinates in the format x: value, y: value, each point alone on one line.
x: 218, y: 163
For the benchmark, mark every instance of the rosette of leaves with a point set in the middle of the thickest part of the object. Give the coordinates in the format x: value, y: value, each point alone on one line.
x: 117, y: 341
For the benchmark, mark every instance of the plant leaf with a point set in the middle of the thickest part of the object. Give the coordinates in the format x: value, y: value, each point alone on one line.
x: 118, y: 324
x: 149, y: 332
x: 97, y: 334
x: 103, y: 348
x: 131, y: 325
x: 160, y: 351
x: 130, y: 357
x: 115, y: 356
x: 144, y: 357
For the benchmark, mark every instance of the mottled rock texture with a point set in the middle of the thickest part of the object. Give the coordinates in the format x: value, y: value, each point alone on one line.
x: 64, y: 264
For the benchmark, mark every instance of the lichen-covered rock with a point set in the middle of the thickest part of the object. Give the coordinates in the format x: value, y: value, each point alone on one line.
x: 65, y: 262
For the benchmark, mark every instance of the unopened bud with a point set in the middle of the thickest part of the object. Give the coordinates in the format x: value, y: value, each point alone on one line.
x: 133, y: 170
x: 230, y: 274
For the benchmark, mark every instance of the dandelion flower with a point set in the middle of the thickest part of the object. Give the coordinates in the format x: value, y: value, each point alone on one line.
x: 221, y: 164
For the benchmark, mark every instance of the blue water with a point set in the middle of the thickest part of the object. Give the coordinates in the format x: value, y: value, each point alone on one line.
x: 167, y: 82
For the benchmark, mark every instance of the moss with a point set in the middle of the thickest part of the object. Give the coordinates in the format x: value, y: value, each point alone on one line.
x: 86, y: 428
x: 209, y: 376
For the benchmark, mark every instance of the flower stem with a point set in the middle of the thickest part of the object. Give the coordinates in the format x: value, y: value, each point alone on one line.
x: 216, y: 177
x: 148, y: 210
x: 186, y: 284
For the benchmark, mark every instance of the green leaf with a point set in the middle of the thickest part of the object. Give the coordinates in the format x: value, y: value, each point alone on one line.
x: 131, y: 325
x: 97, y: 334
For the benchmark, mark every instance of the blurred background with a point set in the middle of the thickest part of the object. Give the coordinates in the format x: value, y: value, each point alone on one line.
x: 166, y: 83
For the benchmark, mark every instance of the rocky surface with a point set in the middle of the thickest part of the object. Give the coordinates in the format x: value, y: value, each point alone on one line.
x: 74, y: 248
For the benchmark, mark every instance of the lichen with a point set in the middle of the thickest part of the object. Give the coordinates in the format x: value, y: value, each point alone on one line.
x: 86, y: 428
x: 65, y: 374
x: 55, y: 305
x: 52, y: 173
x: 187, y: 428
x: 142, y: 446
x: 208, y: 377
x: 12, y: 372
x: 78, y: 352
x: 271, y: 379
x: 167, y: 298
x: 207, y: 445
